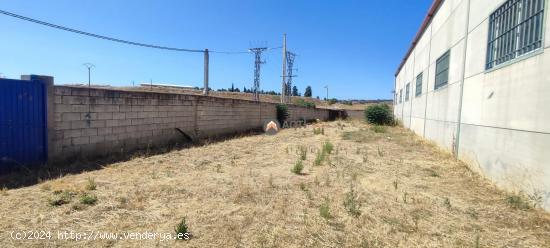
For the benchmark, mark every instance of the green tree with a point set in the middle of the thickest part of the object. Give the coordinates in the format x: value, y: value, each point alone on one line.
x: 295, y: 91
x: 308, y: 92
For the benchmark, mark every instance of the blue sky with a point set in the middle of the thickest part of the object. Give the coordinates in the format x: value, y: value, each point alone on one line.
x: 353, y: 46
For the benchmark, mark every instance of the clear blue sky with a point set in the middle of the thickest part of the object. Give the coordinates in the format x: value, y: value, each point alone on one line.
x: 354, y: 46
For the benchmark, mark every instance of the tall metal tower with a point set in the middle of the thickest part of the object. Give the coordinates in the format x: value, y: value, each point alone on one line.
x: 290, y: 56
x: 283, y: 83
x: 257, y: 66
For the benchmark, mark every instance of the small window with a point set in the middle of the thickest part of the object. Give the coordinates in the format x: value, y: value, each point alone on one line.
x: 407, y: 92
x: 515, y: 29
x: 400, y: 95
x: 418, y: 90
x: 442, y: 70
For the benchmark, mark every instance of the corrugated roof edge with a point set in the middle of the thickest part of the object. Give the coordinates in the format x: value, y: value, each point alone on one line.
x: 427, y: 20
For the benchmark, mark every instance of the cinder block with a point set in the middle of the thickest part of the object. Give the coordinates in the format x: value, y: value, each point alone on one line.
x: 137, y: 121
x: 97, y: 139
x: 80, y: 108
x: 130, y: 129
x: 137, y: 108
x: 79, y: 124
x: 111, y: 123
x: 70, y: 116
x: 105, y: 116
x: 131, y: 115
x: 75, y: 100
x: 63, y: 108
x: 72, y: 133
x: 62, y: 90
x: 110, y: 138
x: 89, y: 131
x: 119, y: 130
x: 150, y: 108
x: 96, y: 124
x: 104, y: 131
x: 81, y: 140
x: 118, y: 116
x: 62, y: 125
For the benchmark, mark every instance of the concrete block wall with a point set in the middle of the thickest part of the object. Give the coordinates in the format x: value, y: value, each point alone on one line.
x: 98, y: 122
x: 502, y: 128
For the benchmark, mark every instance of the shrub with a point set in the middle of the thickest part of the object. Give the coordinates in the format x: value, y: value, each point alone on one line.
x: 282, y: 113
x: 379, y: 114
x: 298, y: 167
x: 303, y: 103
x: 61, y: 198
x: 88, y: 199
x: 518, y: 202
x: 182, y: 230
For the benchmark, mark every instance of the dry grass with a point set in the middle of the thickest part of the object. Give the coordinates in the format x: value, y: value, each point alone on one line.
x: 373, y: 189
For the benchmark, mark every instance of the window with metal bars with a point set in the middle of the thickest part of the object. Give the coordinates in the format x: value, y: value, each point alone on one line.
x: 442, y: 70
x: 407, y: 91
x: 418, y: 89
x: 515, y: 29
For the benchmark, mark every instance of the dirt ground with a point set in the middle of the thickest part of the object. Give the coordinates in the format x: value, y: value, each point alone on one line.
x: 376, y: 188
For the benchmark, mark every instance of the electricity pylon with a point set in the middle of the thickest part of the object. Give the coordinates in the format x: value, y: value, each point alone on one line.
x: 257, y: 67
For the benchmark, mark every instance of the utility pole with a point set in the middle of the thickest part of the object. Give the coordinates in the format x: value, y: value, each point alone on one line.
x: 283, y: 84
x: 89, y: 66
x: 326, y: 87
x: 206, y: 65
x: 257, y: 66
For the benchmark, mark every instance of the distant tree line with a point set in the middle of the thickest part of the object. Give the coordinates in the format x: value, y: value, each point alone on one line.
x: 307, y: 92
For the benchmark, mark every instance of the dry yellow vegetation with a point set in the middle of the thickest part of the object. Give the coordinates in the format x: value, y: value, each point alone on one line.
x: 380, y: 187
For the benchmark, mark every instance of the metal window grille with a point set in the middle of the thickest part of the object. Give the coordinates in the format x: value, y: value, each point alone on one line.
x: 418, y: 89
x: 407, y: 91
x: 442, y: 70
x: 515, y: 29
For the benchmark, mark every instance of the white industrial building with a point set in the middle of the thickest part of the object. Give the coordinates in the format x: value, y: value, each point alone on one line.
x: 476, y: 81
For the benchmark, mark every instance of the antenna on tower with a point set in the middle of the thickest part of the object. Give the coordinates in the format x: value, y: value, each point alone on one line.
x: 257, y: 66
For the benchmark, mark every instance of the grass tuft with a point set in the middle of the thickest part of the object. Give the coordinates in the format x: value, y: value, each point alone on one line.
x: 61, y: 198
x: 302, y: 152
x: 4, y: 191
x: 88, y: 199
x: 328, y: 147
x: 518, y: 202
x: 351, y: 203
x: 298, y: 167
x: 379, y: 129
x: 91, y: 184
x: 324, y: 209
x: 318, y: 131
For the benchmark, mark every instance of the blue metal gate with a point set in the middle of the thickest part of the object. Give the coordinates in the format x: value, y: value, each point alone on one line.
x: 22, y: 123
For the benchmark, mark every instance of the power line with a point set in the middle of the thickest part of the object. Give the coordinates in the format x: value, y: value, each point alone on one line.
x: 108, y: 38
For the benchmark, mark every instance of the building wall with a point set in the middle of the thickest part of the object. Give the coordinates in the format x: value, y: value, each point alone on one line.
x: 504, y: 132
x: 99, y: 122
